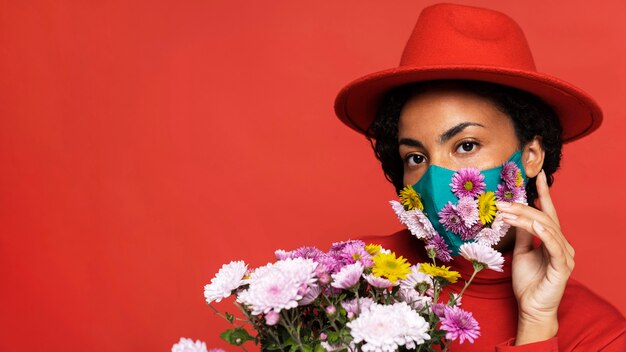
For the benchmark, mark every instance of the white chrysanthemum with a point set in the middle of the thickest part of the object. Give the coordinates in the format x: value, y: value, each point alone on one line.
x: 414, y: 299
x: 415, y: 220
x: 386, y: 327
x: 348, y: 276
x: 300, y: 269
x: 416, y: 279
x: 476, y: 252
x: 379, y: 282
x: 273, y: 290
x: 228, y: 278
x: 187, y: 345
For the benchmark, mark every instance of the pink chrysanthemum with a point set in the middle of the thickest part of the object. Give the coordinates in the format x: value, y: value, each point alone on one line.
x: 311, y: 295
x: 415, y: 220
x: 459, y: 324
x: 509, y: 174
x: 414, y: 299
x: 488, y: 237
x: 354, y: 307
x: 487, y: 256
x: 278, y: 286
x: 499, y: 225
x: 467, y: 208
x: 379, y: 282
x: 451, y: 219
x: 348, y: 276
x: 228, y: 278
x: 468, y: 182
x: 188, y: 345
x: 438, y: 244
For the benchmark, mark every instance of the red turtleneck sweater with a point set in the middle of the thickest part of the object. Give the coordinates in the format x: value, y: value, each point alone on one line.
x: 586, y: 321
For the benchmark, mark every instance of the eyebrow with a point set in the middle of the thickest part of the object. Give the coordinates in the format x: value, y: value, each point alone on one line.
x: 456, y: 130
x: 444, y: 136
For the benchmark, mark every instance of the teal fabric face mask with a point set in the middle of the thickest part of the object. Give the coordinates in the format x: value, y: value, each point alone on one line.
x: 447, y: 197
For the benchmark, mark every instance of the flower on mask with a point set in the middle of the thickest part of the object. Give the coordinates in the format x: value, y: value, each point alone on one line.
x: 509, y: 174
x: 467, y: 208
x: 468, y: 182
x: 486, y: 207
x: 410, y: 199
x: 508, y: 194
x: 451, y: 219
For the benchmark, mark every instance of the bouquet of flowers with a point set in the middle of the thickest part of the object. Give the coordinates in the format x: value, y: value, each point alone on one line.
x: 358, y: 297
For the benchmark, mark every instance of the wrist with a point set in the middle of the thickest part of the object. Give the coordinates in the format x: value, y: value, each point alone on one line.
x: 531, y: 330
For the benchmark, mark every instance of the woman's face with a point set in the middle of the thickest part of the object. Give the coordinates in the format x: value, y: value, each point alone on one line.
x: 452, y: 128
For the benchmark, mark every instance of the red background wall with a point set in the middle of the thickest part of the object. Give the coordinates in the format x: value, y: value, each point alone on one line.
x: 145, y: 143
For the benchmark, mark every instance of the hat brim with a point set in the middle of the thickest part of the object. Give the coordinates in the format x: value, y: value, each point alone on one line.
x: 357, y: 103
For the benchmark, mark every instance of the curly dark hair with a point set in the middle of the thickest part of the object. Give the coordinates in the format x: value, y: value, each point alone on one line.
x: 531, y: 117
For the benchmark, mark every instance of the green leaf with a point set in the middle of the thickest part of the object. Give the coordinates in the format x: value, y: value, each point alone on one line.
x: 236, y: 337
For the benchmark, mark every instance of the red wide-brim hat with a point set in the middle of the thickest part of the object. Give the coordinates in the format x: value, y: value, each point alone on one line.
x: 462, y: 42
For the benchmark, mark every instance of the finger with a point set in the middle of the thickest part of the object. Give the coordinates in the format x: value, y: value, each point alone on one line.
x: 555, y: 247
x: 545, y: 200
x: 528, y: 212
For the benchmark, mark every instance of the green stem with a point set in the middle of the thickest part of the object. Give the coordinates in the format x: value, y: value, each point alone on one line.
x: 466, y: 285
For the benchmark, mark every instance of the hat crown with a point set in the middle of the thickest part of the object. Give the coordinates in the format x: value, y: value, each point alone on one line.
x: 447, y: 34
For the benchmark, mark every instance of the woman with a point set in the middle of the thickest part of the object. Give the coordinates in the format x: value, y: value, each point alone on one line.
x: 466, y: 94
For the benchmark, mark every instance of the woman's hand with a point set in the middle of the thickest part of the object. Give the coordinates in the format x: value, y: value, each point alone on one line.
x: 539, y: 274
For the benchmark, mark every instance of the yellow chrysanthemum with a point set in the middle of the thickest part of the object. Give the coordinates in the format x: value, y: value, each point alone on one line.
x: 388, y: 266
x: 410, y: 199
x: 440, y: 271
x: 518, y: 178
x: 487, y: 207
x: 373, y: 249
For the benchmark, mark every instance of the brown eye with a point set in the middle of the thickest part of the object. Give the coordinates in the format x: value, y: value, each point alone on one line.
x: 466, y: 147
x: 415, y: 159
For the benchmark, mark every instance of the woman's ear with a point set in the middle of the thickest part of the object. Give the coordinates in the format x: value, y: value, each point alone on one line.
x: 532, y: 157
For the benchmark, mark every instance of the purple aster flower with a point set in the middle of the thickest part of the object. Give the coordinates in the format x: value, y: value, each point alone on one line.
x: 468, y: 182
x: 509, y: 174
x: 467, y: 208
x: 437, y: 244
x: 509, y: 194
x: 355, y: 252
x: 470, y: 233
x: 307, y: 253
x: 459, y: 324
x: 450, y: 218
x: 339, y: 246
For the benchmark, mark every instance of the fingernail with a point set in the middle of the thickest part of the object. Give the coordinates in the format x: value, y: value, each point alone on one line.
x: 503, y: 205
x: 537, y: 226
